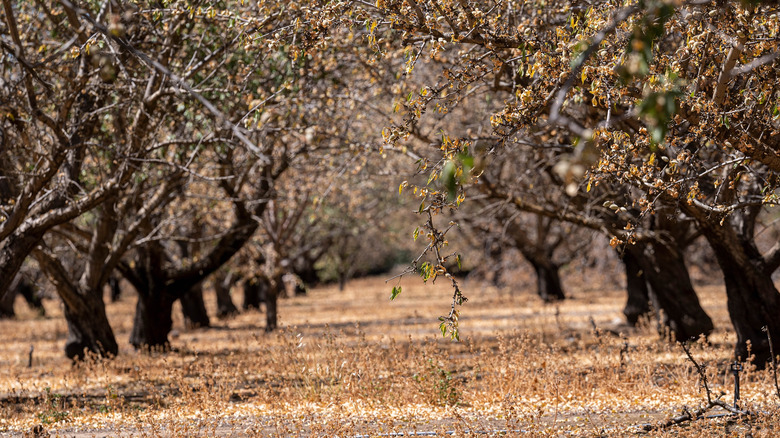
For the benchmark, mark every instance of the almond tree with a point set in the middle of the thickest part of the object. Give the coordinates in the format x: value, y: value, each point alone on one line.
x: 677, y: 104
x: 69, y: 145
x: 108, y: 111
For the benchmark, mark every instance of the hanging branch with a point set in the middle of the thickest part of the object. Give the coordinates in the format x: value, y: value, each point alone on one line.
x: 428, y: 271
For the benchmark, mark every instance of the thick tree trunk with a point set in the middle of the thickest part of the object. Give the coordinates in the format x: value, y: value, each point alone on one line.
x: 671, y: 291
x: 27, y: 290
x: 88, y: 328
x: 194, y: 309
x: 548, y: 280
x: 255, y: 292
x: 540, y: 255
x: 84, y: 309
x: 222, y: 285
x: 152, y: 321
x: 7, y: 303
x: 753, y: 301
x: 13, y: 251
x: 638, y: 303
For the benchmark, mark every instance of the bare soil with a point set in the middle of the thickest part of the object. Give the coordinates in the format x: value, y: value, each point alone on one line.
x: 353, y: 363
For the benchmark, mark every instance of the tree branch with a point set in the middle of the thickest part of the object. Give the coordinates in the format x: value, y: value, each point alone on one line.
x: 766, y: 59
x: 221, y: 118
x: 725, y: 75
x: 560, y: 97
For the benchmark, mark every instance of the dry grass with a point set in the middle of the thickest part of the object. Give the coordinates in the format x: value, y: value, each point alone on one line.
x: 352, y: 363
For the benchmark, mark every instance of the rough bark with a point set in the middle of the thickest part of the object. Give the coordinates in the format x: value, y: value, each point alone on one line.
x: 152, y: 321
x: 194, y: 309
x: 671, y: 291
x: 752, y: 298
x: 85, y: 312
x: 12, y: 254
x: 21, y: 286
x: 638, y: 303
x: 89, y: 329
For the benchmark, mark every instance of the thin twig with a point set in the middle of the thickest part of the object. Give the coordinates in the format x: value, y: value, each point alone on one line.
x: 774, y: 359
x: 699, y: 369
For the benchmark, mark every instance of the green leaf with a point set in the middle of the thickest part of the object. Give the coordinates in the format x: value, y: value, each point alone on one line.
x: 449, y: 181
x: 457, y: 260
x: 425, y: 271
x: 396, y: 291
x: 466, y: 159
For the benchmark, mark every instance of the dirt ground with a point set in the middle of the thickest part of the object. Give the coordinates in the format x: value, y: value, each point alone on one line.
x: 353, y: 363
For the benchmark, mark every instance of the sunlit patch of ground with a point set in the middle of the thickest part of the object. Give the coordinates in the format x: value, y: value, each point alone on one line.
x: 353, y: 363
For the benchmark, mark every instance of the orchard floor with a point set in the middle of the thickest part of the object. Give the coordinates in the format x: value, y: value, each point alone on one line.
x: 353, y: 363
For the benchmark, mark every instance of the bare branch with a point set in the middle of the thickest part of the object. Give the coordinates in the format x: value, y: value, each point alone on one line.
x: 766, y: 59
x: 221, y: 118
x: 726, y: 73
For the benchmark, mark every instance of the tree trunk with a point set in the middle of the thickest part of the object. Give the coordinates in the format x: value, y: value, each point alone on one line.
x: 539, y: 254
x: 303, y: 267
x: 13, y: 251
x: 84, y: 309
x: 88, y: 329
x: 194, y: 309
x: 116, y: 291
x: 222, y: 286
x: 548, y: 280
x: 27, y: 290
x: 152, y: 321
x: 638, y: 303
x: 255, y: 292
x: 671, y: 291
x: 21, y: 286
x: 7, y: 303
x: 752, y: 299
x: 271, y: 317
